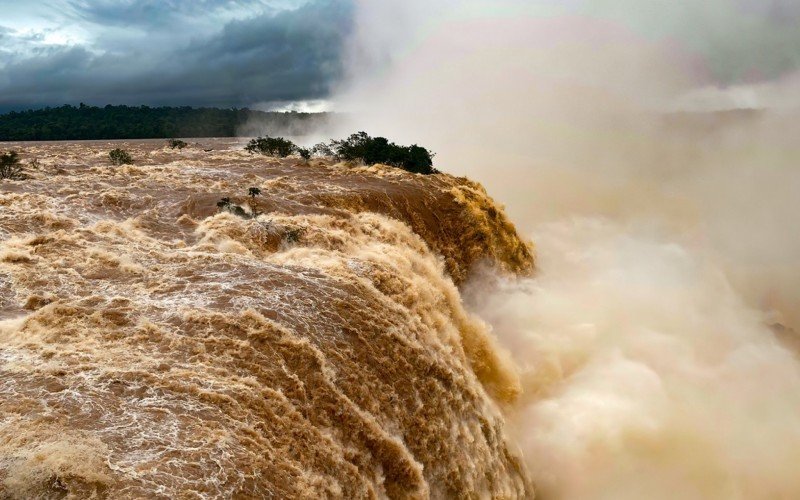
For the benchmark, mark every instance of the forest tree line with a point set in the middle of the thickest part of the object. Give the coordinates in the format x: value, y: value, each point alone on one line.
x: 130, y: 122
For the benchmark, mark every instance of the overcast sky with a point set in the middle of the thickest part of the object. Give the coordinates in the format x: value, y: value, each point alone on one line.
x: 273, y: 52
x: 170, y: 52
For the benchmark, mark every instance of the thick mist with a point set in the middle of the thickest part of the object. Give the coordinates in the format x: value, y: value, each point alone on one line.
x: 655, y: 342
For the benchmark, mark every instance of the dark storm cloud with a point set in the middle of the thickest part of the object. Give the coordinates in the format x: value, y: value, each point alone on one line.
x: 199, y: 57
x: 297, y: 54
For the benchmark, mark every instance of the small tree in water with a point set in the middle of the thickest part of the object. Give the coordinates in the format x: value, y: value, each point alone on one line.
x: 253, y: 192
x: 120, y: 157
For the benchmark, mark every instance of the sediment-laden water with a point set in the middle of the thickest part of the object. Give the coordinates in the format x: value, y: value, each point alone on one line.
x: 153, y: 345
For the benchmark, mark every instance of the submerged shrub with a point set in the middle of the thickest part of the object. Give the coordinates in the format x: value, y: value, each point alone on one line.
x: 120, y: 157
x: 225, y: 204
x: 10, y: 166
x: 176, y: 143
x: 293, y: 235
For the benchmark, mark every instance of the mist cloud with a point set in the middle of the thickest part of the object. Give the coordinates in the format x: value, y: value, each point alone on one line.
x: 665, y: 242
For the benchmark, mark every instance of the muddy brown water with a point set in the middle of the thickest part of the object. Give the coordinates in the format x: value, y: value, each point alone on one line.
x: 153, y: 346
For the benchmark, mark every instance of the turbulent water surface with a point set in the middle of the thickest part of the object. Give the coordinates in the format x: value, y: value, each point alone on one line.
x: 154, y: 346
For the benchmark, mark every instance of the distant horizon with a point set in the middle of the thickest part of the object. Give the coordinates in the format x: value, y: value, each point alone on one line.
x: 41, y: 107
x: 4, y: 110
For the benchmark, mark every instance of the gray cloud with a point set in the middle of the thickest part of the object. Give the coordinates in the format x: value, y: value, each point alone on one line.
x: 256, y: 53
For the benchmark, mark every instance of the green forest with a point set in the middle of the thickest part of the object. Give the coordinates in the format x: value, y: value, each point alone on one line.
x: 125, y: 122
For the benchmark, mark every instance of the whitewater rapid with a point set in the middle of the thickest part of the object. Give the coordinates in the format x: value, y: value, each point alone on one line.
x: 152, y: 346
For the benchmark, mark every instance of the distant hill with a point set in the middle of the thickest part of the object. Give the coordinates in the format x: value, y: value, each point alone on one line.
x: 143, y: 122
